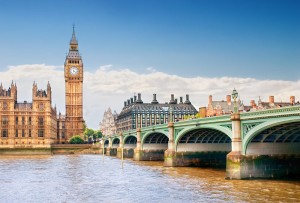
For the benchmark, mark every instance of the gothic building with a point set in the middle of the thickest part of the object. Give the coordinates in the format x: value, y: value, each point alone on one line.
x: 108, y: 125
x: 73, y: 90
x: 36, y: 123
x: 26, y: 124
x: 137, y: 114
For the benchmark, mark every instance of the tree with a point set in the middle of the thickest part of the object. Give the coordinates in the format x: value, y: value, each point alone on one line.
x: 76, y: 139
x: 98, y: 134
x: 88, y: 133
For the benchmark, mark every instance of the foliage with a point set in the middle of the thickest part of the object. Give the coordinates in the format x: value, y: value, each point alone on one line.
x: 98, y: 134
x: 92, y: 134
x: 192, y: 116
x: 76, y: 139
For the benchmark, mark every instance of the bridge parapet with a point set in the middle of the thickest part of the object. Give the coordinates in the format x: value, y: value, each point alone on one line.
x: 206, y: 120
x: 277, y: 112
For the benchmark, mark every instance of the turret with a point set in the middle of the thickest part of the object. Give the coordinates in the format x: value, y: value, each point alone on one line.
x: 13, y: 89
x: 172, y: 101
x: 34, y: 90
x: 154, y: 101
x: 187, y: 101
x: 49, y: 92
x: 139, y: 100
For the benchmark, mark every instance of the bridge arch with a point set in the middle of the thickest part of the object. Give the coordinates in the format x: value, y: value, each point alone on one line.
x: 130, y: 141
x: 116, y: 142
x: 225, y: 130
x: 106, y: 143
x: 277, y: 136
x: 204, y: 138
x: 155, y: 140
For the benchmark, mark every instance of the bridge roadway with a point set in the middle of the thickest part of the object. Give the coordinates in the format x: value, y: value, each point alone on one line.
x: 260, y: 144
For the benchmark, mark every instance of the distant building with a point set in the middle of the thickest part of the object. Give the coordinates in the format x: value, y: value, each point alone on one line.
x: 136, y: 113
x: 218, y: 108
x: 108, y: 125
x: 271, y: 103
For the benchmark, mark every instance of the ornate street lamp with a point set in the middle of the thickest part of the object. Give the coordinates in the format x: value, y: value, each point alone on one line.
x: 171, y: 114
x: 234, y: 97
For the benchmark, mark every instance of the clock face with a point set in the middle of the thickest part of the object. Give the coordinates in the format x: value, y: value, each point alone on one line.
x: 73, y: 70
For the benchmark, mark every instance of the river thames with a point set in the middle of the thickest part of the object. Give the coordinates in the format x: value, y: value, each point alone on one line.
x: 90, y: 178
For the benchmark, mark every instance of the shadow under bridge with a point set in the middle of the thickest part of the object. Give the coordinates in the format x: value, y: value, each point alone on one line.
x: 203, y: 147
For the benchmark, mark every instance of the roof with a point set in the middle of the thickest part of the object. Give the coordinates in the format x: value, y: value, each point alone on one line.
x: 23, y: 106
x: 73, y: 39
x: 157, y: 108
x: 73, y: 54
x: 229, y: 107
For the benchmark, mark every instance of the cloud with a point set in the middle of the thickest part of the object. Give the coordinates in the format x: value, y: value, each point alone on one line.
x: 109, y: 86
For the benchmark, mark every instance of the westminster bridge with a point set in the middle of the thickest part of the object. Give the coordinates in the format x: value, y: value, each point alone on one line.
x: 260, y: 144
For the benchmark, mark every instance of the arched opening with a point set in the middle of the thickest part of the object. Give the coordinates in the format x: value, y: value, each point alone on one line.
x: 106, y: 143
x: 116, y: 143
x: 129, y: 145
x: 273, y: 152
x: 156, y: 141
x: 154, y: 146
x: 130, y: 142
x: 281, y: 139
x: 203, y: 147
x: 204, y: 140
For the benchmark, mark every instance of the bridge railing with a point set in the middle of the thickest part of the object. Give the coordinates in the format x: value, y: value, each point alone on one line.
x: 206, y: 120
x: 282, y: 111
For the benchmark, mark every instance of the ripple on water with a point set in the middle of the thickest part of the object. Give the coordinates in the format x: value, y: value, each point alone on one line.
x: 87, y: 178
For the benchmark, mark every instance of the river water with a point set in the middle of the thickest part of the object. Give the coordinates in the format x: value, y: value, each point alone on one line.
x: 92, y: 178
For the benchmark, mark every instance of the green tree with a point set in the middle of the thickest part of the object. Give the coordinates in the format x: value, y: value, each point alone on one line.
x: 98, y: 134
x: 76, y: 139
x: 88, y: 133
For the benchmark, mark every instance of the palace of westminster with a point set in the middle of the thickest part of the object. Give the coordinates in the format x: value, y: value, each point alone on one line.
x: 37, y: 123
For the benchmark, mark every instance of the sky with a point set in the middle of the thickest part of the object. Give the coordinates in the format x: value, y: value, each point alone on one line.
x: 195, y: 47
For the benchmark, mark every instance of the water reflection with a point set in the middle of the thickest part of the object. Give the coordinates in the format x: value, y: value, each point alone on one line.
x: 86, y: 178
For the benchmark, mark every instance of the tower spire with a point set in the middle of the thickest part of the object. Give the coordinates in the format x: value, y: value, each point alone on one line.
x: 73, y: 39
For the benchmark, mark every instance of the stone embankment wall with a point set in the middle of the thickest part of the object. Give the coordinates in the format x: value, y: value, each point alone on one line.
x: 53, y: 149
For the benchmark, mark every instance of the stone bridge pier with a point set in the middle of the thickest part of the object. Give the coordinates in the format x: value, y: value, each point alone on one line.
x: 198, y: 146
x: 151, y: 147
x: 269, y: 150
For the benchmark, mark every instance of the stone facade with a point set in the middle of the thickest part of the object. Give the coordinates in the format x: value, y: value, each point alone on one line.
x: 37, y: 124
x: 218, y: 108
x: 136, y: 114
x: 27, y: 124
x: 108, y: 125
x: 74, y: 122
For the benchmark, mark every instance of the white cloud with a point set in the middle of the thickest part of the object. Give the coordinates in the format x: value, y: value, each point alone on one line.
x: 110, y: 87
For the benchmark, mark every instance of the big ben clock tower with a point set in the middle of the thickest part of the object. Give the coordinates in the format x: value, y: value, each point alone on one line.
x: 73, y: 87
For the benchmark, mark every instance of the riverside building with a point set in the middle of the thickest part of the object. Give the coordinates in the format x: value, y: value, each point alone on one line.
x: 27, y: 123
x: 136, y: 114
x: 108, y: 125
x: 36, y: 123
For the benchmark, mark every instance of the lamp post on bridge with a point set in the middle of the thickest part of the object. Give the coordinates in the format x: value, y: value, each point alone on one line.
x: 171, y: 114
x: 235, y: 157
x: 234, y: 97
x: 170, y: 153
